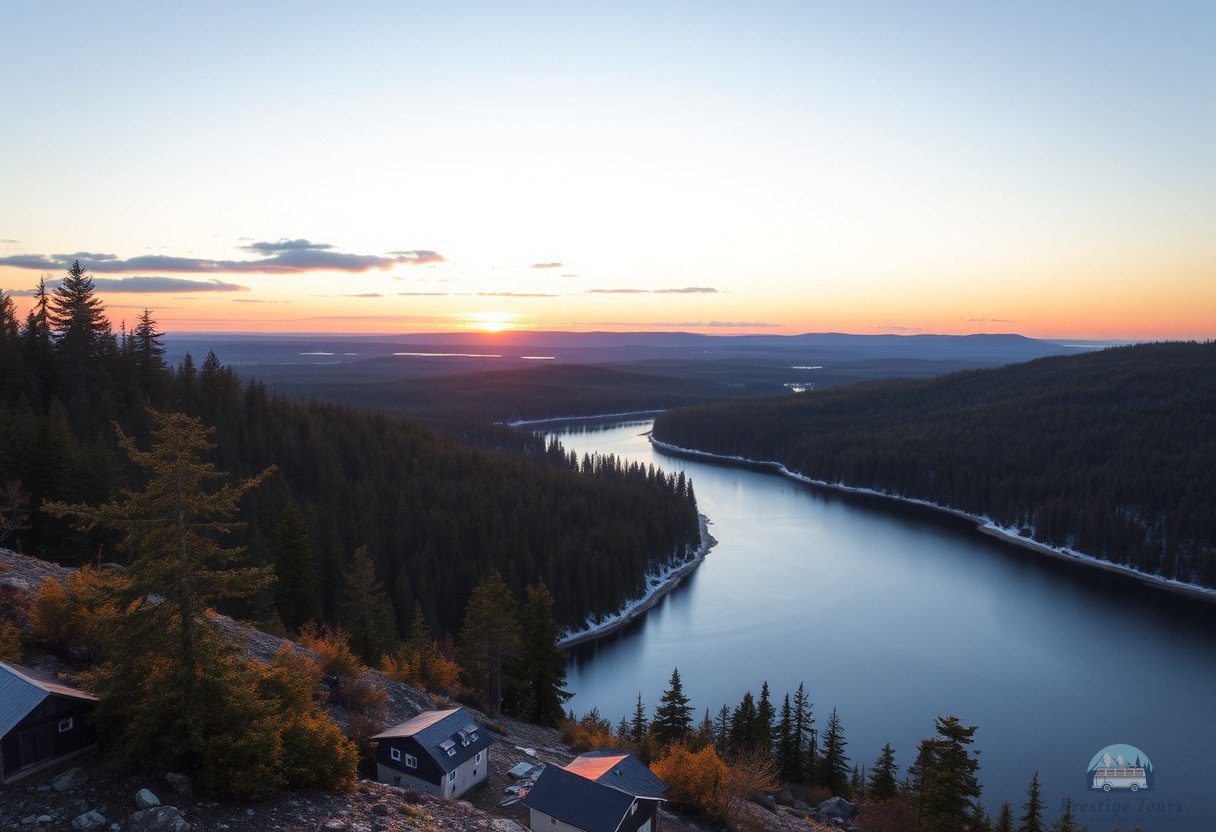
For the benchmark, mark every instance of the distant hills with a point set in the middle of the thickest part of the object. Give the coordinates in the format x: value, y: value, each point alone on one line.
x: 1112, y: 453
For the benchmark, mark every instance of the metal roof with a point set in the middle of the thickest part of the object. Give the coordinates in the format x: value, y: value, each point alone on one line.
x: 439, y: 732
x: 22, y: 689
x: 619, y: 770
x: 578, y: 801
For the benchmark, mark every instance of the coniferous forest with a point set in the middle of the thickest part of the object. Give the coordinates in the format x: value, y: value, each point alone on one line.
x: 435, y: 515
x: 1111, y: 453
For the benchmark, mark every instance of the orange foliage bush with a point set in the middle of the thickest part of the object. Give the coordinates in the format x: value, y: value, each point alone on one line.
x: 588, y: 733
x: 697, y: 781
x: 10, y: 642
x: 338, y: 664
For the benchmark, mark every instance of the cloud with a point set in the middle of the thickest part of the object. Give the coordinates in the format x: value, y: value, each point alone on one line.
x: 363, y: 295
x: 687, y: 290
x: 515, y: 295
x: 148, y: 285
x: 569, y: 274
x: 10, y: 242
x: 546, y: 265
x: 281, y: 257
x: 284, y: 244
x: 702, y: 324
x: 989, y: 320
x: 423, y: 294
x: 898, y: 328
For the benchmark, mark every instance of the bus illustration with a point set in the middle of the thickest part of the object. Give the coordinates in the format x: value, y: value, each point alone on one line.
x: 1113, y: 771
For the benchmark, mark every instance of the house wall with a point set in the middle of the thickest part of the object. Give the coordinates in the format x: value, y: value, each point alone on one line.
x: 36, y: 740
x: 428, y: 777
x: 540, y: 822
x: 643, y: 820
x: 469, y: 774
x: 396, y: 777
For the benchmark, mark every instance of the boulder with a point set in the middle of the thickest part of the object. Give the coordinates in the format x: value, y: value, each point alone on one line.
x: 767, y: 801
x: 836, y: 807
x: 91, y: 819
x: 504, y: 825
x: 144, y: 799
x: 180, y: 783
x: 158, y: 819
x: 70, y: 779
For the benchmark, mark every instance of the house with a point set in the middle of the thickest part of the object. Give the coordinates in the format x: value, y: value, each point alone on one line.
x: 600, y: 791
x: 42, y: 721
x: 444, y: 753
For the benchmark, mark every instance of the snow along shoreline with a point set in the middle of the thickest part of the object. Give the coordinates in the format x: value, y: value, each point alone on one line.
x: 641, y: 414
x: 984, y: 524
x: 656, y: 587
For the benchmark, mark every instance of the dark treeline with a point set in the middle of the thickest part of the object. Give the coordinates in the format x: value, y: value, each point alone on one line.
x: 436, y: 516
x: 1111, y: 453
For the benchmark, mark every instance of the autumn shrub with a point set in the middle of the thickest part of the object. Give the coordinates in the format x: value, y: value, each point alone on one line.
x: 895, y: 814
x: 50, y: 617
x: 338, y: 663
x: 588, y: 733
x: 77, y: 621
x: 10, y: 641
x: 698, y: 782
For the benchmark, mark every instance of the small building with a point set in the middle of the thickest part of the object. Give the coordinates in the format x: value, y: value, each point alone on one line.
x: 444, y: 753
x: 42, y: 721
x: 600, y: 791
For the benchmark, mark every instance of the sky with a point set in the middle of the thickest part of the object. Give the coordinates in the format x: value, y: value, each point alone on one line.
x: 1047, y: 168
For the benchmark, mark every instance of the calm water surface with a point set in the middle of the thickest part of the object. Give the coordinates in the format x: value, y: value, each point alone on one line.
x: 894, y: 615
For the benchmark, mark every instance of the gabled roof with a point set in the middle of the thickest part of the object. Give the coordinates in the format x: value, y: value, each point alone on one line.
x: 619, y: 770
x: 22, y: 689
x: 448, y: 737
x: 578, y: 801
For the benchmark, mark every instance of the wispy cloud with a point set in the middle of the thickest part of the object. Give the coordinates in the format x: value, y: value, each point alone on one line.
x: 900, y: 328
x: 363, y: 295
x: 554, y: 265
x: 148, y: 285
x: 515, y: 295
x: 280, y: 257
x: 989, y: 320
x: 686, y: 290
x: 423, y: 294
x: 678, y: 324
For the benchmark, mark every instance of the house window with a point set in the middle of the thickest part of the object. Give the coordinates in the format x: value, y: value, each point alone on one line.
x: 451, y: 776
x: 411, y: 761
x: 66, y: 724
x: 553, y: 820
x: 452, y: 751
x: 395, y: 754
x: 478, y: 759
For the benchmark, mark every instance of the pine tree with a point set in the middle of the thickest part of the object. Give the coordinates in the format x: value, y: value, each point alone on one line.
x: 173, y: 693
x: 673, y: 717
x: 1004, y: 819
x: 948, y: 781
x: 765, y: 714
x: 722, y: 730
x: 489, y: 638
x: 148, y: 353
x: 834, y: 767
x: 365, y: 611
x: 542, y: 663
x: 803, y: 738
x: 1066, y: 822
x: 296, y: 597
x: 78, y: 322
x: 1032, y: 820
x: 787, y: 763
x: 638, y: 726
x: 883, y: 783
x: 743, y: 725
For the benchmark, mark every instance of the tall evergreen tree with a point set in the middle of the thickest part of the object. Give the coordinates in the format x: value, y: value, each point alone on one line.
x: 787, y: 763
x: 948, y: 781
x: 1032, y: 819
x: 743, y: 725
x: 834, y: 765
x: 80, y: 327
x: 489, y: 638
x: 148, y: 353
x: 722, y: 730
x: 543, y: 664
x: 1066, y: 822
x: 365, y: 612
x: 170, y: 694
x: 883, y: 783
x: 296, y: 598
x: 638, y: 725
x: 804, y: 735
x: 1004, y: 819
x: 673, y: 717
x: 765, y: 714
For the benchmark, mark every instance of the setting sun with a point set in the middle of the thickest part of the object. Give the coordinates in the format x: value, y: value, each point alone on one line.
x: 492, y: 321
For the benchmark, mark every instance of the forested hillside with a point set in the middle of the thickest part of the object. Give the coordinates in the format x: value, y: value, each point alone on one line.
x: 1111, y: 453
x: 435, y: 515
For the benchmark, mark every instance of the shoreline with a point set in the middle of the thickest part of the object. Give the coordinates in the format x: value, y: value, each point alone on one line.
x: 596, y: 417
x: 982, y: 524
x: 640, y: 606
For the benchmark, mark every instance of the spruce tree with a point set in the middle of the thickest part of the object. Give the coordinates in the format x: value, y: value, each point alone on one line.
x: 489, y: 638
x: 1066, y: 822
x: 787, y: 764
x: 78, y: 322
x: 834, y: 766
x: 948, y: 781
x: 148, y: 353
x: 638, y: 725
x: 803, y: 739
x: 365, y: 612
x: 542, y: 663
x: 743, y: 725
x: 673, y: 717
x: 883, y: 782
x: 765, y: 714
x: 296, y: 597
x: 1032, y: 820
x: 722, y: 730
x: 1004, y: 819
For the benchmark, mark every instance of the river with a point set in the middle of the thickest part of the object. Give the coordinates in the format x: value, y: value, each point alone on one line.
x: 895, y: 614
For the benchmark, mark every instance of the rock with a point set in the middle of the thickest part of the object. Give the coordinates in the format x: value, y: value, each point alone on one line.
x: 180, y: 783
x: 45, y: 787
x: 158, y: 819
x: 767, y: 801
x: 836, y: 807
x: 43, y: 819
x: 89, y: 820
x: 144, y: 799
x: 70, y: 779
x: 784, y: 797
x: 334, y: 825
x: 504, y: 825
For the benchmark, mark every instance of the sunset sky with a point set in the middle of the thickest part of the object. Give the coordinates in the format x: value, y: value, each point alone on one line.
x: 1047, y: 168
